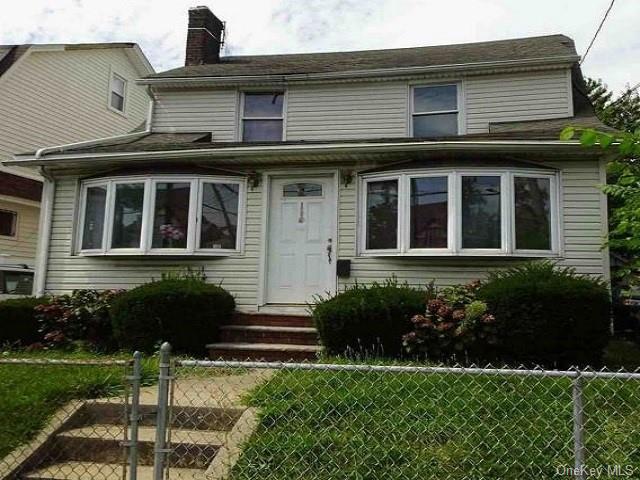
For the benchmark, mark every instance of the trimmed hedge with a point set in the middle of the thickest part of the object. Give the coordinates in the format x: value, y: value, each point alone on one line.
x: 18, y: 322
x: 368, y: 319
x: 548, y: 316
x: 185, y: 312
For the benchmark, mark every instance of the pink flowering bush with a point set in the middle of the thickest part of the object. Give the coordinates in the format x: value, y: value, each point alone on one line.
x: 455, y: 325
x: 80, y: 318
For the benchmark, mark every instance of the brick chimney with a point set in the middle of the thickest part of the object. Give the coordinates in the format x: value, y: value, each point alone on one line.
x: 204, y: 37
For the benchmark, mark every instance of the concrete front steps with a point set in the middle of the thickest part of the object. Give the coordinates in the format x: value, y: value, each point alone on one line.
x: 269, y: 337
x: 90, y: 445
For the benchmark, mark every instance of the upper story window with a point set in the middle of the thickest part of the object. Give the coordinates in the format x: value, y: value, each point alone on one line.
x: 474, y: 212
x: 117, y: 92
x: 161, y: 215
x: 434, y: 110
x: 262, y: 116
x: 8, y: 223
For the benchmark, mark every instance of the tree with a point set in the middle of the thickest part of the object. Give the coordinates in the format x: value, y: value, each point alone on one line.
x: 623, y: 188
x: 624, y: 227
x: 622, y: 113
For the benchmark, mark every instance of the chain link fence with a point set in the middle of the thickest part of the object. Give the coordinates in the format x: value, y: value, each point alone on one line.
x: 337, y: 421
x: 63, y: 418
x: 257, y: 420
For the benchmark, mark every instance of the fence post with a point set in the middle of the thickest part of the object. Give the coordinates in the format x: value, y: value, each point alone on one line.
x: 164, y: 377
x: 578, y: 426
x: 134, y: 418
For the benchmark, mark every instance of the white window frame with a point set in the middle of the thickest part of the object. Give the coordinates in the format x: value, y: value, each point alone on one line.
x: 112, y: 76
x: 282, y: 117
x: 454, y: 209
x: 459, y: 104
x: 15, y: 224
x: 146, y: 234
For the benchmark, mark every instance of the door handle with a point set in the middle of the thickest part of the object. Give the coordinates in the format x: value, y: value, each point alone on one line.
x: 329, y: 249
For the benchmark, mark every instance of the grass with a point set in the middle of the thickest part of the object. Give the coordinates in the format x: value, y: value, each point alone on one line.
x: 361, y: 425
x: 31, y: 394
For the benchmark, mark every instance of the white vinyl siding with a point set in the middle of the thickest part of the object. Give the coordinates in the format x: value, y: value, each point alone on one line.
x: 212, y: 111
x: 22, y: 247
x: 515, y: 97
x: 332, y: 112
x: 580, y: 248
x: 367, y: 110
x: 51, y: 98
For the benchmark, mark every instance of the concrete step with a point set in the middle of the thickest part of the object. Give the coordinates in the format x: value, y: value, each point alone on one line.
x: 104, y: 471
x: 263, y: 351
x: 268, y: 334
x: 103, y: 444
x: 182, y: 417
x: 272, y: 319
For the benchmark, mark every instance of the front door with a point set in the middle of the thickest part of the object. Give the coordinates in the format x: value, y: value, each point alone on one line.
x: 301, y: 243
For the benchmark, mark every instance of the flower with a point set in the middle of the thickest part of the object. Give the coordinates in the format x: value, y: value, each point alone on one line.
x: 170, y: 232
x: 458, y: 315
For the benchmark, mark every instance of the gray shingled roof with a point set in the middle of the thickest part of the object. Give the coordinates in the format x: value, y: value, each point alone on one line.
x: 465, y: 53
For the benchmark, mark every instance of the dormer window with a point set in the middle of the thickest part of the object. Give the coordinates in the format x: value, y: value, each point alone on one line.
x: 262, y: 117
x: 117, y: 92
x: 434, y: 111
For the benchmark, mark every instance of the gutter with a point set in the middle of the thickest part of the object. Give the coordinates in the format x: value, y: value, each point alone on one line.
x: 46, y: 205
x: 377, y: 72
x: 44, y: 233
x: 88, y: 143
x: 277, y: 150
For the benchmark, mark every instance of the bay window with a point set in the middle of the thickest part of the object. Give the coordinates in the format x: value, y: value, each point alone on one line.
x: 160, y: 215
x: 460, y: 212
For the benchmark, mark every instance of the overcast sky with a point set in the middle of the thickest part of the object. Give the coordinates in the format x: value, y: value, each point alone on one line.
x: 286, y: 26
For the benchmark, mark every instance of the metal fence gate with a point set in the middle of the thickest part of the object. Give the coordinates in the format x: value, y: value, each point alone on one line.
x: 193, y: 419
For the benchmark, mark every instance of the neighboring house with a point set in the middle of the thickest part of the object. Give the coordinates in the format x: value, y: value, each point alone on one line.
x: 287, y: 176
x: 51, y: 95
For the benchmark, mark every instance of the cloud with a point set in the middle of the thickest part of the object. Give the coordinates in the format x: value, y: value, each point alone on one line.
x: 284, y: 26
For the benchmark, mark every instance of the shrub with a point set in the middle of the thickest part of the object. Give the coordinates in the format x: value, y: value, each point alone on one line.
x: 455, y: 325
x: 186, y: 312
x: 18, y: 323
x: 79, y: 318
x: 549, y: 316
x: 369, y: 319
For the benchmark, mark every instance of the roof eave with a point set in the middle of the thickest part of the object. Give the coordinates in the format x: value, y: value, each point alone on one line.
x: 307, y: 149
x: 566, y: 60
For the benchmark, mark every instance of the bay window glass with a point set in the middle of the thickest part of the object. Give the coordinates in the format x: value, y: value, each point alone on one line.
x: 219, y: 211
x: 382, y: 215
x: 171, y: 215
x: 127, y: 215
x: 481, y: 212
x: 95, y: 202
x: 429, y: 211
x: 532, y: 211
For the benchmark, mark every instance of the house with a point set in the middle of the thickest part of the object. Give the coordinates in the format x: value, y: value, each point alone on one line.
x: 288, y: 176
x: 51, y: 95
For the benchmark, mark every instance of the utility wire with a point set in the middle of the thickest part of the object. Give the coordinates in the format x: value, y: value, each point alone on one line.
x: 606, y: 14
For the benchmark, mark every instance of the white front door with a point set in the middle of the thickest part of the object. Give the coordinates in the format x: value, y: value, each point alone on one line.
x: 301, y: 244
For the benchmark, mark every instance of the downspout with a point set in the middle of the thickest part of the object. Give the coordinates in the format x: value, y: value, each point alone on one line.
x: 44, y: 232
x: 46, y: 205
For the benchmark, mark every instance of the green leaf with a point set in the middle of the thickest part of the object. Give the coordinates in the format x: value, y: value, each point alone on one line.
x: 588, y: 138
x: 567, y: 133
x: 604, y: 139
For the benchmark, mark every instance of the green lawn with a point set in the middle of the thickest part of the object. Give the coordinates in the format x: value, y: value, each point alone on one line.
x: 30, y: 394
x: 346, y: 425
